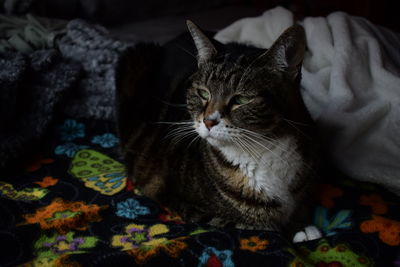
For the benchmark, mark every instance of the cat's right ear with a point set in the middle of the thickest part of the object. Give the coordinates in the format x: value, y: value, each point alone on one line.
x: 286, y: 53
x: 205, y: 49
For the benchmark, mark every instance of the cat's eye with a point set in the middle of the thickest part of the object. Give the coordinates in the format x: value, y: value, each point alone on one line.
x: 241, y: 100
x: 204, y: 94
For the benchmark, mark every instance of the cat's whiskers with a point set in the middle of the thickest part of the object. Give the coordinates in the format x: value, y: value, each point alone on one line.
x: 181, y: 136
x: 172, y: 104
x: 272, y: 141
x: 240, y: 144
x: 184, y: 129
x: 268, y: 139
x: 197, y: 138
x: 296, y: 122
x: 246, y: 149
x: 247, y: 140
x: 255, y: 150
x: 185, y: 50
x: 175, y: 141
x: 291, y: 123
x: 261, y: 145
x: 174, y: 122
x: 251, y: 148
x: 178, y: 131
x: 180, y: 127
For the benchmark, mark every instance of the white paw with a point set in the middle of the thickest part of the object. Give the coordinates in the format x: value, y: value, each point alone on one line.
x: 310, y: 232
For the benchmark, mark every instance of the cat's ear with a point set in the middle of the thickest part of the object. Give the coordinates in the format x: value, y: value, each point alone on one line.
x: 287, y: 52
x: 205, y: 48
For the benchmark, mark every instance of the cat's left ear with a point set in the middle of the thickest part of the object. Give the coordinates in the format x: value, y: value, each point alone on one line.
x: 205, y: 48
x: 287, y: 52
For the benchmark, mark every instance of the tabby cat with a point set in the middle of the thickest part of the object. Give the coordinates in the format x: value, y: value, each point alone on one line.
x: 222, y: 137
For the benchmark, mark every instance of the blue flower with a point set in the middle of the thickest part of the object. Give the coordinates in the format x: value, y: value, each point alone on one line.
x: 211, y: 255
x: 68, y: 149
x: 329, y: 224
x: 106, y: 140
x: 71, y: 129
x: 131, y: 208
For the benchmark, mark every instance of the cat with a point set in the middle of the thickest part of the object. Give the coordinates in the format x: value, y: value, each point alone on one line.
x: 222, y: 137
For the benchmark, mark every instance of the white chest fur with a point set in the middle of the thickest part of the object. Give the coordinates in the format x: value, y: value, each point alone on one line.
x: 268, y: 170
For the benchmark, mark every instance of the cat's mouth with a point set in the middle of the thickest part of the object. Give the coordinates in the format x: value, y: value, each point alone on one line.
x: 216, y: 135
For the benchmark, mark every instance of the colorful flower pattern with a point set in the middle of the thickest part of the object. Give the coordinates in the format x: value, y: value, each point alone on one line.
x: 64, y: 244
x: 54, y: 250
x: 71, y: 129
x: 106, y: 140
x: 389, y: 230
x: 144, y: 242
x: 26, y: 194
x: 68, y: 149
x: 330, y: 224
x: 36, y: 163
x: 326, y: 194
x: 131, y: 209
x: 253, y: 243
x: 377, y: 204
x: 47, y: 181
x: 324, y: 254
x: 64, y: 216
x: 169, y: 216
x: 158, y: 235
x: 212, y: 257
x: 98, y: 171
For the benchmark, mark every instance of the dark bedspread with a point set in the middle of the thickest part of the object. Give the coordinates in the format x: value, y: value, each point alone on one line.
x: 71, y: 204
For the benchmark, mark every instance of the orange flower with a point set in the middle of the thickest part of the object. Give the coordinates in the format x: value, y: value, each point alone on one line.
x: 64, y: 216
x: 170, y: 216
x: 172, y: 247
x: 326, y: 193
x: 389, y: 230
x: 36, y: 163
x: 254, y: 243
x: 47, y: 181
x: 376, y: 202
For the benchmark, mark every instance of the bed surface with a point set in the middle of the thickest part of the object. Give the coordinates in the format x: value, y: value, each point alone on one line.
x: 71, y: 204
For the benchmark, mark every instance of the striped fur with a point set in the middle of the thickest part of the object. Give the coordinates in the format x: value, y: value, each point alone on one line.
x: 254, y: 167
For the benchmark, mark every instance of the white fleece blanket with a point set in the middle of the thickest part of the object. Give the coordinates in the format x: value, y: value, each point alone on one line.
x: 350, y: 84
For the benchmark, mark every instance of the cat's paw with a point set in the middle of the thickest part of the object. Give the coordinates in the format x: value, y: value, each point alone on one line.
x: 310, y: 232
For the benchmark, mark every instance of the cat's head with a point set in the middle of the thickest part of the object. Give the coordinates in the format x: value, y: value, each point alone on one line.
x: 253, y: 92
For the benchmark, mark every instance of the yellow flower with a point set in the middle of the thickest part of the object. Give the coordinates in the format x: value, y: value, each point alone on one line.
x: 158, y: 229
x: 143, y: 243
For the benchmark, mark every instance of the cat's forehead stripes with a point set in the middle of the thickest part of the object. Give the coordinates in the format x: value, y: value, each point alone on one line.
x: 220, y: 80
x: 200, y: 86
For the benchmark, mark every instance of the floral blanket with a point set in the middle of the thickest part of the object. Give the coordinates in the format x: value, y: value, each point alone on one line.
x: 72, y: 205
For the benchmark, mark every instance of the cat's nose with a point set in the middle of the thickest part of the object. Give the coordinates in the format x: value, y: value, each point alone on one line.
x: 210, y: 123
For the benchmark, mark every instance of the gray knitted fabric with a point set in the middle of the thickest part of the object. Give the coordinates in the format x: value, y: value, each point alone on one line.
x: 30, y: 89
x: 79, y: 72
x: 98, y: 54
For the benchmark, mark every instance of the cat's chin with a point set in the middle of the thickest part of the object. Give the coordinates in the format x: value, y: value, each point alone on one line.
x: 218, y: 143
x: 212, y: 141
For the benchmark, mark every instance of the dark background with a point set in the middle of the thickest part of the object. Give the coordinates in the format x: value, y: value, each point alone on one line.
x: 113, y: 12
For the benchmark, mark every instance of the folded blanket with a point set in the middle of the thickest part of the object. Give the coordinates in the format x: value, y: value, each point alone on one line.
x: 351, y: 86
x: 41, y: 68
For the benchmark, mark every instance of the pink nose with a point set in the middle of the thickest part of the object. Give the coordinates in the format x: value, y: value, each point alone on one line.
x: 210, y: 123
